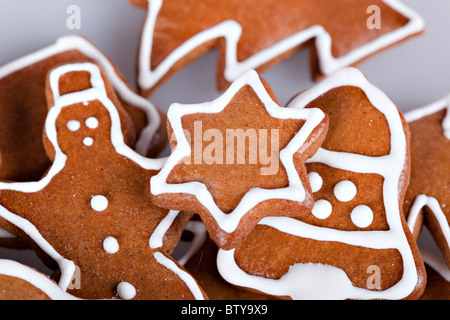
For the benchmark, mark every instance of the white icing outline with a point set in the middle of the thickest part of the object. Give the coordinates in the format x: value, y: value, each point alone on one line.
x: 97, y: 92
x: 430, y: 109
x: 390, y: 167
x: 437, y: 264
x: 37, y: 279
x: 230, y: 222
x: 231, y: 31
x: 422, y: 200
x: 81, y: 44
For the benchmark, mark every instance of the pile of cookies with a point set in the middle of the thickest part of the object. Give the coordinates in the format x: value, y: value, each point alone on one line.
x: 324, y: 198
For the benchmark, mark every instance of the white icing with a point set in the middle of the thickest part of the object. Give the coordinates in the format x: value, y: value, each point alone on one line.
x: 35, y: 278
x: 316, y: 181
x: 322, y: 209
x: 73, y: 125
x: 156, y: 240
x: 231, y: 31
x: 183, y: 275
x: 229, y: 222
x: 362, y: 216
x: 111, y: 245
x: 126, y: 291
x: 97, y: 92
x: 345, y: 191
x: 438, y: 264
x: 429, y: 110
x: 99, y: 203
x: 433, y: 204
x: 92, y: 123
x: 327, y: 283
x: 74, y: 42
x: 389, y: 166
x: 88, y: 141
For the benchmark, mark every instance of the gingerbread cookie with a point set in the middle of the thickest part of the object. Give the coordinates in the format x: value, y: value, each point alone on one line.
x: 7, y: 240
x: 19, y: 282
x: 255, y: 34
x: 355, y: 243
x: 91, y: 214
x: 200, y: 261
x: 238, y: 159
x: 438, y: 278
x: 427, y: 200
x: 23, y: 107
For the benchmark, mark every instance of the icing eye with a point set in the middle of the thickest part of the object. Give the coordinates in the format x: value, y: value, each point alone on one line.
x: 92, y: 123
x: 88, y: 141
x: 316, y: 181
x: 345, y: 191
x: 322, y: 209
x: 99, y: 203
x: 73, y: 125
x: 362, y: 216
x: 110, y: 245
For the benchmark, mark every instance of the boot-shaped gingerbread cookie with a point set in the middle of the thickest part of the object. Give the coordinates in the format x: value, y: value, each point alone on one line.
x: 355, y: 243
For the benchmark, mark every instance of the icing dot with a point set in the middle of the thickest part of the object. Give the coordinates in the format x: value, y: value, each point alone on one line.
x: 316, y: 181
x: 110, y: 245
x: 362, y: 216
x: 92, y: 123
x: 322, y: 209
x: 345, y: 191
x: 88, y: 141
x: 126, y: 291
x: 73, y: 125
x: 99, y: 203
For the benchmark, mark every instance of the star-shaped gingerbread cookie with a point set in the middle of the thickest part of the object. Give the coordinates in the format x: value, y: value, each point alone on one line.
x: 354, y: 243
x: 238, y: 159
x: 91, y: 213
x: 255, y: 34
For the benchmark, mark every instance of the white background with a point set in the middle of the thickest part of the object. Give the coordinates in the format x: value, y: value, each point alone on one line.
x: 412, y: 74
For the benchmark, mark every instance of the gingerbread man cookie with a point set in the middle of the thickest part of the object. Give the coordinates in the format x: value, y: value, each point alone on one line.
x: 355, y: 243
x: 23, y: 107
x: 255, y: 34
x: 91, y: 214
x: 238, y: 159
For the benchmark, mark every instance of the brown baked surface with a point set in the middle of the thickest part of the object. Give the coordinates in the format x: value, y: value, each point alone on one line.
x: 229, y: 182
x: 23, y: 110
x: 203, y: 267
x: 437, y: 287
x: 63, y: 215
x: 356, y: 127
x: 430, y: 156
x: 264, y: 24
x: 12, y: 288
